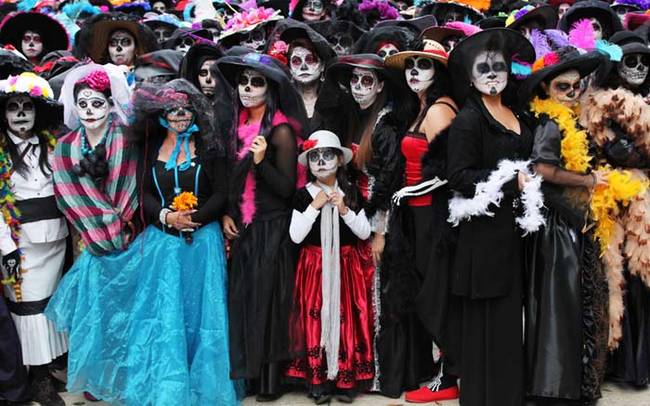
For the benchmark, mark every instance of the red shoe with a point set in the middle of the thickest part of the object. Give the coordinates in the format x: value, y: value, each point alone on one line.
x: 426, y: 395
x: 89, y: 397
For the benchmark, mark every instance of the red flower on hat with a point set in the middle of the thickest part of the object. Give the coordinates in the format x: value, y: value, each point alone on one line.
x: 309, y: 144
x: 97, y: 80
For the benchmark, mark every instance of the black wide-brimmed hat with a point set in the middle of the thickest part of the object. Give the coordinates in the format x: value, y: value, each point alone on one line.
x: 290, y: 30
x: 547, y: 15
x: 53, y: 35
x: 194, y: 58
x: 557, y: 62
x: 371, y: 41
x: 514, y: 46
x: 12, y: 62
x: 440, y: 9
x: 415, y: 25
x: 37, y: 88
x: 597, y: 9
x: 341, y: 67
x: 101, y: 31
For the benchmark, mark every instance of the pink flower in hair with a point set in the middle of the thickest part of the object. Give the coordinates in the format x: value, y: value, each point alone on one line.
x: 36, y: 91
x: 97, y: 80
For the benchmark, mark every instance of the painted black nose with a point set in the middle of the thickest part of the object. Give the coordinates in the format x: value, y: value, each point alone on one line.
x: 247, y: 89
x: 119, y: 49
x: 414, y: 72
x: 492, y: 75
x: 21, y: 113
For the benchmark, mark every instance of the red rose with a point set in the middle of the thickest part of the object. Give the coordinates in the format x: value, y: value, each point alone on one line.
x: 309, y: 144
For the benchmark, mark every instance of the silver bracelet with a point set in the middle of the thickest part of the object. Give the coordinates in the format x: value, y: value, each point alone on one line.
x: 163, y: 216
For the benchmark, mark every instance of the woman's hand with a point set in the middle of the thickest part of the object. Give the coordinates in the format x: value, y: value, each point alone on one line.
x: 229, y: 227
x: 181, y: 220
x: 598, y: 178
x: 337, y: 200
x: 522, y: 179
x: 258, y: 148
x: 320, y: 200
x: 378, y: 243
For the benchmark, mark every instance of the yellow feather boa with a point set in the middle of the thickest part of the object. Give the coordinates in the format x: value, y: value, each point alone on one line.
x: 606, y: 201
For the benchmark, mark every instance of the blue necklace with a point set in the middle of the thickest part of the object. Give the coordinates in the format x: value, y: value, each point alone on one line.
x: 86, y: 149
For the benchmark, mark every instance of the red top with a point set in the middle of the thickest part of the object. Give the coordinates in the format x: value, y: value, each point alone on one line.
x: 414, y: 146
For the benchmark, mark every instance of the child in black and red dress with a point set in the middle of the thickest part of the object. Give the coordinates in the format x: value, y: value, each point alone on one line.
x: 332, y: 316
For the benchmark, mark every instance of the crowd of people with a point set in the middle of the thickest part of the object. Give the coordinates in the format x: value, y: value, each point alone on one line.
x: 205, y: 200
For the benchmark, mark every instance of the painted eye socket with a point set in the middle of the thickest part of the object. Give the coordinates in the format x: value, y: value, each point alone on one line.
x: 82, y: 104
x: 328, y: 155
x: 256, y: 81
x: 423, y: 64
x: 257, y: 35
x: 500, y: 67
x: 296, y: 61
x: 563, y: 86
x: 203, y: 73
x: 36, y: 39
x: 13, y: 107
x: 366, y: 80
x: 97, y: 103
x: 483, y: 68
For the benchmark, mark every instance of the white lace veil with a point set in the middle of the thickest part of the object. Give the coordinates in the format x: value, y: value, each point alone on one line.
x: 120, y: 92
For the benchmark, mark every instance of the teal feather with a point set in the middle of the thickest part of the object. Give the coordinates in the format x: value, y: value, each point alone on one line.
x: 614, y: 52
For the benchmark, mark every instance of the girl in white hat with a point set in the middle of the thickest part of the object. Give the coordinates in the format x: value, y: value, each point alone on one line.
x: 332, y: 316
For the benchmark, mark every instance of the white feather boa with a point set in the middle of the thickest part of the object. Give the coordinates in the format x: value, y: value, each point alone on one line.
x: 490, y: 192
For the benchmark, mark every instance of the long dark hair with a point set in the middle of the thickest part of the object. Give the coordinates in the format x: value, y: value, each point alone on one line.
x: 438, y: 89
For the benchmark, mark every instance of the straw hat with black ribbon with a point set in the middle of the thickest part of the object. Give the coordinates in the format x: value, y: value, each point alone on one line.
x: 431, y: 50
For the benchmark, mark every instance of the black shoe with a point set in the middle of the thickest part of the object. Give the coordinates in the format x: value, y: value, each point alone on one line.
x: 322, y: 399
x: 264, y: 397
x: 345, y: 398
x: 43, y: 391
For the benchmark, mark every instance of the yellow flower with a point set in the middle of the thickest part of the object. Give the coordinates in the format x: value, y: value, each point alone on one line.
x: 185, y: 201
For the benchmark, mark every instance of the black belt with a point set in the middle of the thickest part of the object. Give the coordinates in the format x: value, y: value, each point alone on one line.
x: 37, y: 209
x: 28, y: 308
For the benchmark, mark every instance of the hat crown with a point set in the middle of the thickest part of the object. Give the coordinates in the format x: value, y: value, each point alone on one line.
x: 323, y: 139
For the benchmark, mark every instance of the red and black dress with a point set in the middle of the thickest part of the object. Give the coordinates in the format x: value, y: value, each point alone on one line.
x: 353, y: 289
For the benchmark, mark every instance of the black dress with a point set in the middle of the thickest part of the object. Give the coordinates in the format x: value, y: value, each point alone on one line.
x: 262, y: 269
x: 13, y: 375
x: 566, y: 290
x: 485, y: 345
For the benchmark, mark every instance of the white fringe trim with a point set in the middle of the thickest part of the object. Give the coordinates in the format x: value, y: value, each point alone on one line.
x: 420, y: 189
x: 489, y: 192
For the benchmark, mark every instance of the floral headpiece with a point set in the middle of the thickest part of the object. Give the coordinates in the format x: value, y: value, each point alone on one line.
x: 247, y: 20
x: 385, y: 10
x: 517, y: 14
x: 97, y: 80
x: 279, y: 51
x: 27, y: 83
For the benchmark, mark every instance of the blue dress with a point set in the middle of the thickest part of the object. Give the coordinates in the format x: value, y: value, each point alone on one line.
x: 149, y: 325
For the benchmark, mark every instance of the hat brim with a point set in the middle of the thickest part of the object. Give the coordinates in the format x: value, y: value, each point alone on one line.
x: 102, y: 31
x: 597, y: 9
x: 439, y: 34
x: 12, y: 28
x: 547, y: 13
x: 347, y: 155
x: 584, y: 64
x: 396, y: 61
x: 341, y: 69
x: 231, y: 66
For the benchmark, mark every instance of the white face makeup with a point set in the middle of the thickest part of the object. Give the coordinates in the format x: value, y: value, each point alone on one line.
x: 92, y: 108
x: 562, y: 9
x: 313, y: 10
x: 255, y: 40
x: 305, y: 66
x: 565, y: 88
x: 598, y: 28
x: 184, y: 44
x: 20, y: 113
x: 32, y: 44
x: 633, y: 69
x: 342, y: 44
x: 159, y: 6
x: 121, y: 48
x: 365, y: 87
x: 490, y: 73
x: 206, y: 81
x: 323, y: 162
x: 387, y: 50
x: 162, y: 34
x: 419, y: 73
x: 180, y: 118
x: 252, y: 88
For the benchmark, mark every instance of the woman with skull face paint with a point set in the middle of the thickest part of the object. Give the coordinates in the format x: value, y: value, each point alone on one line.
x: 332, y: 314
x: 372, y: 131
x: 622, y: 139
x: 566, y: 285
x: 33, y: 231
x: 483, y: 343
x: 34, y: 35
x: 416, y: 254
x: 262, y: 184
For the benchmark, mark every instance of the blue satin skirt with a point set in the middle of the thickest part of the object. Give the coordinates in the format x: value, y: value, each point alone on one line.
x: 149, y: 325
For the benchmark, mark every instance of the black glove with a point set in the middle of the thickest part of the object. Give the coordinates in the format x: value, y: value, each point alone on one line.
x: 11, y: 264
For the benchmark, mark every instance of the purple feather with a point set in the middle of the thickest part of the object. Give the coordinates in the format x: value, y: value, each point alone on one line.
x: 540, y: 43
x: 557, y: 38
x: 641, y: 4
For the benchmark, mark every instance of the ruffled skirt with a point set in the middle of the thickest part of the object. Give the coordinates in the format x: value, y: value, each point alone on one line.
x: 356, y: 363
x: 149, y: 325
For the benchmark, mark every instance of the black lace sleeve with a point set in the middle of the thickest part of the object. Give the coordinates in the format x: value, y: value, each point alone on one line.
x: 280, y: 172
x: 213, y: 208
x: 383, y: 165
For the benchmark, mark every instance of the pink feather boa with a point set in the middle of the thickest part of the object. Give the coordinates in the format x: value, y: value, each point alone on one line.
x: 246, y: 133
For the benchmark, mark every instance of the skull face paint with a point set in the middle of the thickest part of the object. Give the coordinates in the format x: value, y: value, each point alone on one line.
x: 419, y: 72
x: 562, y: 9
x: 633, y: 69
x: 365, y: 87
x: 20, y: 114
x: 454, y: 16
x: 342, y: 44
x: 184, y: 44
x: 252, y: 88
x: 313, y: 10
x: 159, y: 6
x: 490, y: 73
x: 92, y: 108
x: 306, y: 67
x: 598, y: 28
x: 32, y: 44
x: 565, y: 88
x: 121, y: 48
x: 162, y: 34
x: 323, y: 162
x: 180, y: 118
x: 255, y: 40
x: 206, y: 81
x: 387, y: 49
